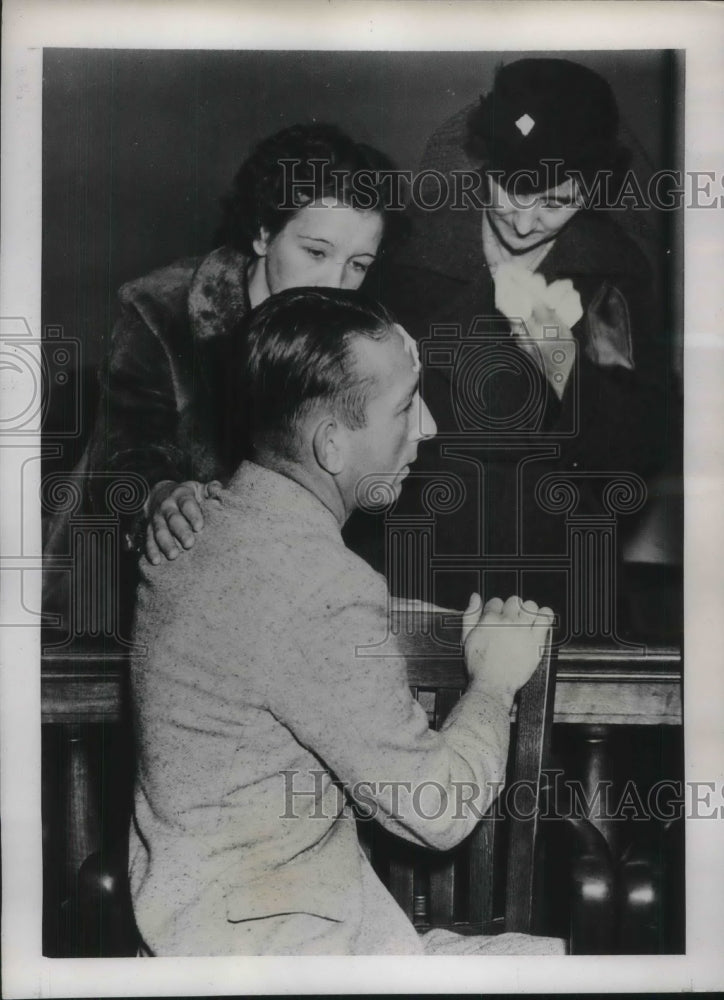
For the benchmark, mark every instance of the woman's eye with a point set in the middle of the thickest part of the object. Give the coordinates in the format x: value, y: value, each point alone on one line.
x: 314, y: 252
x: 360, y: 265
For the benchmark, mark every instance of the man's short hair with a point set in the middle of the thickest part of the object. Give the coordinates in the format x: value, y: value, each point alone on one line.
x: 296, y: 352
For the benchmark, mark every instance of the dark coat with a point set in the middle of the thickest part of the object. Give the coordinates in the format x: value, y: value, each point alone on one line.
x: 163, y: 406
x: 159, y: 415
x: 501, y: 428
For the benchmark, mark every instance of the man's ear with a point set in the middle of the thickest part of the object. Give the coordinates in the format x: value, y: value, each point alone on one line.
x: 329, y: 445
x: 261, y: 243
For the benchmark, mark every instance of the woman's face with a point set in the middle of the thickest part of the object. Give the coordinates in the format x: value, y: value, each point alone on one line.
x: 523, y: 222
x: 325, y: 244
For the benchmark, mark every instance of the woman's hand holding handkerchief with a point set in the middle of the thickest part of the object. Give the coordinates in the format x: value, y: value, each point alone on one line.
x: 541, y: 317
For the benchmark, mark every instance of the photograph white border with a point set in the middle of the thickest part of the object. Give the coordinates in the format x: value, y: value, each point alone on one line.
x: 30, y: 25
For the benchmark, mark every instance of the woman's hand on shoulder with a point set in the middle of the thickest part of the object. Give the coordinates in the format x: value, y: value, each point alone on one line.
x: 175, y: 516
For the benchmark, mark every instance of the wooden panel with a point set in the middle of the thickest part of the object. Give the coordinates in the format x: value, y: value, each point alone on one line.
x: 443, y: 869
x: 81, y: 697
x: 596, y: 684
x: 446, y: 699
x: 595, y: 699
x: 81, y: 821
x: 600, y: 701
x: 532, y: 746
x: 482, y: 849
x: 401, y: 883
x: 442, y: 890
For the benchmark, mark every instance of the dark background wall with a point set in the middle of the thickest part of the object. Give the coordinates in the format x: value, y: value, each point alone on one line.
x: 139, y: 145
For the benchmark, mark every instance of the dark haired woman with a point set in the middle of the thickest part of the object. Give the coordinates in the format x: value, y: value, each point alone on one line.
x: 306, y: 208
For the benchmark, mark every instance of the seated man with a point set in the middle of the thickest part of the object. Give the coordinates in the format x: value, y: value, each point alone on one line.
x: 253, y: 710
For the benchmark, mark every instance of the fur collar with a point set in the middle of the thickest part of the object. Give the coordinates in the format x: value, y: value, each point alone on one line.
x: 218, y: 294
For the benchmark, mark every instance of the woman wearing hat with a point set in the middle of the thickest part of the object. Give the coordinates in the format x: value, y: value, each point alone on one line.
x: 554, y: 354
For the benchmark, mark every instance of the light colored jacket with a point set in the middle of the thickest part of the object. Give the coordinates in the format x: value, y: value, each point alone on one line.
x: 260, y: 696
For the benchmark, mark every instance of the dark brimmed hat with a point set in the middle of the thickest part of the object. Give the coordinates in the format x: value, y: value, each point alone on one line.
x: 547, y: 109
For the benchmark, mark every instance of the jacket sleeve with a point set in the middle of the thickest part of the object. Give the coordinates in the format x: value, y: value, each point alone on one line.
x: 622, y: 398
x: 352, y: 706
x: 136, y: 429
x: 619, y: 403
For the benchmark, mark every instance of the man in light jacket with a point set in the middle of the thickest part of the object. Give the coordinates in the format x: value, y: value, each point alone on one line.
x: 258, y: 719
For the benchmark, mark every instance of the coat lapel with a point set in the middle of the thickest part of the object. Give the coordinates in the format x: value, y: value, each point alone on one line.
x: 217, y: 301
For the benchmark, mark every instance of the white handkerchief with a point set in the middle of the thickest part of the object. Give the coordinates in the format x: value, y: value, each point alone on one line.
x: 563, y: 297
x: 518, y: 291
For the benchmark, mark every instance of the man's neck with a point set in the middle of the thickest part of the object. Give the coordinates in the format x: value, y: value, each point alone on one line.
x: 325, y: 492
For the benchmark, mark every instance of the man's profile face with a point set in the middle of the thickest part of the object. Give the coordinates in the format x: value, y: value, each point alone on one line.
x: 523, y: 222
x: 397, y: 417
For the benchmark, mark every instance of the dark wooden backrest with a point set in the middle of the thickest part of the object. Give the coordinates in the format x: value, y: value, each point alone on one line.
x: 458, y: 888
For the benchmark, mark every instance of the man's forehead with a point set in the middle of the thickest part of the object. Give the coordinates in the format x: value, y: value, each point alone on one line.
x: 409, y: 345
x: 393, y: 359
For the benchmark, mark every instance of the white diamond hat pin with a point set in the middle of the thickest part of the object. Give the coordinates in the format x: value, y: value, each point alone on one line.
x: 525, y: 123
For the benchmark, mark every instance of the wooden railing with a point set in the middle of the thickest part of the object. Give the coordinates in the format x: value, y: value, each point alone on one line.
x: 84, y: 700
x: 595, y: 685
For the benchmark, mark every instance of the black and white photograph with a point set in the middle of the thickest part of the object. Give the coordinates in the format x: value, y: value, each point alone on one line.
x: 361, y: 551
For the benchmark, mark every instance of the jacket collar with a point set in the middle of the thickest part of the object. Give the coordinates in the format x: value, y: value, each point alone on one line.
x: 450, y: 243
x: 218, y: 294
x: 256, y: 486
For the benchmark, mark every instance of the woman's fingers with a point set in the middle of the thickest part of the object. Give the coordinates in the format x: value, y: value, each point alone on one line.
x: 191, y: 512
x: 176, y: 517
x: 159, y: 541
x: 153, y: 553
x: 181, y: 528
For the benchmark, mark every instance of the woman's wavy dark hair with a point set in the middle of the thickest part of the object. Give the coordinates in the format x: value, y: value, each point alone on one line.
x: 299, y: 165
